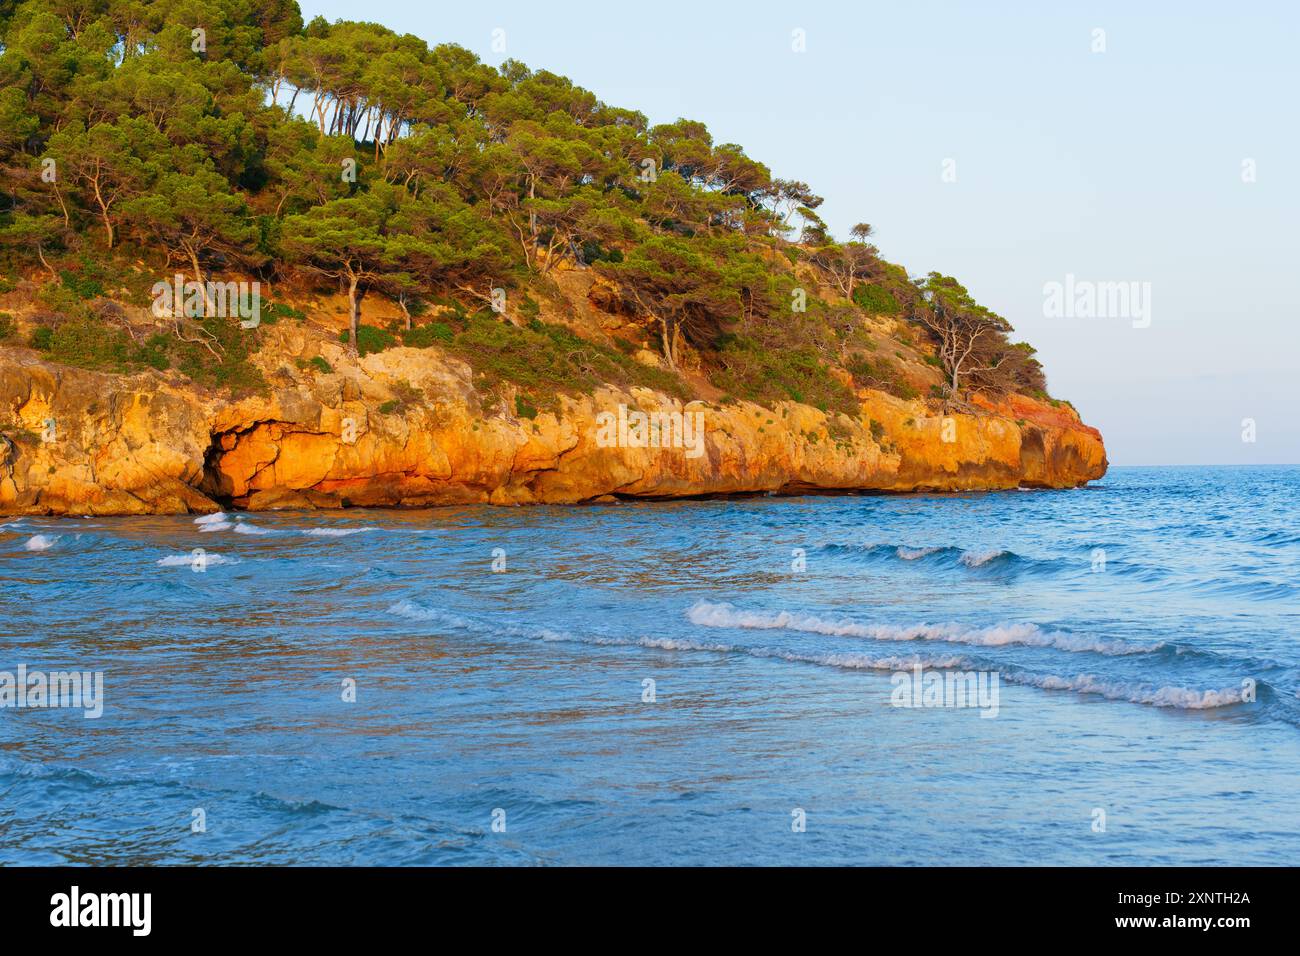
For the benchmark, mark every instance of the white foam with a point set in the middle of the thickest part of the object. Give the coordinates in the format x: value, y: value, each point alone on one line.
x: 973, y: 559
x: 1183, y: 698
x: 659, y: 643
x: 912, y: 554
x: 418, y: 612
x: 219, y: 521
x: 707, y: 614
x: 848, y: 661
x: 864, y: 661
x: 243, y: 527
x: 335, y: 532
x: 40, y: 542
x: 208, y: 559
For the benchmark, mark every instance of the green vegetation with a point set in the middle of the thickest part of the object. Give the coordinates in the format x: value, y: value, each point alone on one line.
x: 880, y: 374
x: 876, y: 300
x: 369, y: 338
x: 524, y: 408
x: 273, y: 312
x: 373, y: 165
x: 544, y: 360
x: 424, y: 336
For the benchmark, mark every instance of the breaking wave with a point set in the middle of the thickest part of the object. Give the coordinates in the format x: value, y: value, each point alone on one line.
x: 707, y: 614
x: 208, y: 559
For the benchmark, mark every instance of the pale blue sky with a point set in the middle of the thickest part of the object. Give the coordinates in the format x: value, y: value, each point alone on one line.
x: 1117, y: 166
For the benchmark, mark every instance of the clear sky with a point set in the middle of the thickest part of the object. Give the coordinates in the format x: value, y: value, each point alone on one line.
x: 1127, y: 165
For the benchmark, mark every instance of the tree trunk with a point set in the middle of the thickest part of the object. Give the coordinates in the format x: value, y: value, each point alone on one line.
x: 667, y: 344
x: 354, y: 312
x: 103, y: 214
x: 198, y: 277
x: 532, y: 213
x: 58, y: 194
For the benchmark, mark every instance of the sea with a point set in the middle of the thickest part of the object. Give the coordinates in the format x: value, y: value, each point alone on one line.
x: 1100, y: 676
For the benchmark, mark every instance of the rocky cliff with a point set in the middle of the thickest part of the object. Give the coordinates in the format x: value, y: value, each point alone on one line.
x: 406, y: 427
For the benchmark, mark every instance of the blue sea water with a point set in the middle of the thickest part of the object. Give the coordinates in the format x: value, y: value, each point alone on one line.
x: 1126, y: 623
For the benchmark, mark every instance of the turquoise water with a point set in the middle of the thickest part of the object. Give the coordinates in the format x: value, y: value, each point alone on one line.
x: 1124, y: 623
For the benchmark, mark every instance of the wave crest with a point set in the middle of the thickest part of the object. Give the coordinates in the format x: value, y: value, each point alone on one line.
x: 706, y: 614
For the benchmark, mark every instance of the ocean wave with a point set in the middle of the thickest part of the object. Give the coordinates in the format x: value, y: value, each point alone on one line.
x: 658, y: 643
x: 1181, y: 698
x: 245, y: 527
x: 707, y: 614
x: 948, y: 555
x: 847, y: 661
x: 1275, y: 537
x: 218, y: 521
x: 913, y: 554
x: 722, y: 615
x: 40, y: 542
x: 975, y: 559
x: 414, y: 611
x: 1261, y: 590
x: 335, y: 532
x: 208, y: 558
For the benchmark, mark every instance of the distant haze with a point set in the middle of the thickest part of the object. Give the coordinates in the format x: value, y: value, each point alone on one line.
x: 1132, y: 164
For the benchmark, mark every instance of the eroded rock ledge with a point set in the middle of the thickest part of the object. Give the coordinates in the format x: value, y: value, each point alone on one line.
x: 78, y: 442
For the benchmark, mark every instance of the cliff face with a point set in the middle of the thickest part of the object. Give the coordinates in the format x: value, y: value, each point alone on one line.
x: 406, y: 427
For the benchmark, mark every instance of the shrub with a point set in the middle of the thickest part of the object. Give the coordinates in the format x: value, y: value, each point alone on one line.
x: 765, y: 376
x: 371, y: 338
x: 881, y: 374
x: 273, y: 312
x: 81, y: 285
x: 426, y: 336
x: 231, y: 367
x: 88, y: 343
x: 529, y: 308
x: 320, y: 365
x: 7, y: 325
x: 524, y: 408
x: 876, y: 300
x: 154, y: 352
x: 545, y: 359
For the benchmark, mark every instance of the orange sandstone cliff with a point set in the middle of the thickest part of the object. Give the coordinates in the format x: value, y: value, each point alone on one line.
x: 79, y: 442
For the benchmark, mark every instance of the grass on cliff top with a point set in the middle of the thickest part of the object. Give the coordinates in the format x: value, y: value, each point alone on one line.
x: 767, y: 377
x: 79, y: 327
x: 91, y: 343
x: 542, y: 359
